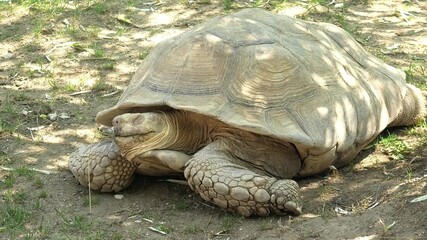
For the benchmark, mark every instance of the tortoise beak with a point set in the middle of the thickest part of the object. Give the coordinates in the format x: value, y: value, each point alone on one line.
x: 117, y: 130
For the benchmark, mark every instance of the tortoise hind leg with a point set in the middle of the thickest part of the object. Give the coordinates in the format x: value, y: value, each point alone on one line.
x: 413, y: 108
x: 214, y: 175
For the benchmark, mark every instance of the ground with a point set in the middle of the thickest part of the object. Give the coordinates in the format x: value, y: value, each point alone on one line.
x: 63, y: 61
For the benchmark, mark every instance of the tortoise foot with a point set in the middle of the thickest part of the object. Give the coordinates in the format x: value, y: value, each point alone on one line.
x: 101, y: 166
x: 237, y: 189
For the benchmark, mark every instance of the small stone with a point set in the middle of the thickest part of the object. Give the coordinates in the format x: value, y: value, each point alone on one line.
x: 7, y: 55
x: 118, y: 196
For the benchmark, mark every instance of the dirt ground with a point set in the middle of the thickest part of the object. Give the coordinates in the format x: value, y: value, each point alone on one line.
x: 60, y: 66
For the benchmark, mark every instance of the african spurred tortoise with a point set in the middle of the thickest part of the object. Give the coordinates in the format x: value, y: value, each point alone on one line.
x: 244, y: 103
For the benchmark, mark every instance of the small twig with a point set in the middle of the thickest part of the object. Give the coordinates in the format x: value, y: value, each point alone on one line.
x: 414, y: 159
x: 148, y: 220
x: 220, y: 233
x: 15, y: 75
x: 80, y: 92
x: 419, y: 199
x: 157, y: 230
x: 110, y: 94
x: 373, y: 205
x: 181, y: 182
x: 31, y: 169
x: 88, y: 188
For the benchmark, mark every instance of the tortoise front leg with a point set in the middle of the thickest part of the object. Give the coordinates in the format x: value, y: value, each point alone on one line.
x: 214, y: 175
x: 102, y: 166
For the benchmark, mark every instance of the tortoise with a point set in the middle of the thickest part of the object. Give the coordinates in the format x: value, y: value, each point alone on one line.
x: 242, y: 105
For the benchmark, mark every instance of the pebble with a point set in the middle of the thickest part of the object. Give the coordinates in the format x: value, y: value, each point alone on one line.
x: 119, y: 196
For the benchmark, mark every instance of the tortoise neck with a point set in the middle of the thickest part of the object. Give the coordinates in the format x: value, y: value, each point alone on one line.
x: 191, y: 131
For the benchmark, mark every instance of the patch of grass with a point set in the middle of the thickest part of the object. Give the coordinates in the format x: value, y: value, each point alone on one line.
x: 155, y: 31
x: 12, y: 218
x: 38, y: 27
x: 38, y: 182
x: 31, y: 47
x: 204, y: 2
x: 15, y: 196
x: 143, y: 54
x: 342, y: 22
x: 149, y: 215
x: 98, y: 51
x: 324, y: 212
x: 120, y: 29
x: 93, y: 32
x: 108, y: 65
x: 181, y: 204
x: 415, y: 72
x: 43, y: 194
x: 326, y: 192
x: 82, y: 84
x: 10, y: 109
x: 6, y: 127
x: 227, y: 222
x: 227, y: 4
x: 257, y: 3
x: 100, y: 8
x: 4, y: 159
x: 386, y: 227
x: 267, y: 224
x: 77, y: 222
x: 25, y: 172
x: 393, y: 146
x: 164, y: 228
x: 94, y: 201
x: 192, y: 229
x: 409, y: 174
x: 9, y: 181
x: 320, y: 2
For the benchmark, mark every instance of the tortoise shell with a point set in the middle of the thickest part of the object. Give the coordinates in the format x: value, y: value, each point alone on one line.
x: 307, y: 83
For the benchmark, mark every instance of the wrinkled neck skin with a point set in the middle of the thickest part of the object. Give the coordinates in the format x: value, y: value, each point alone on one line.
x: 188, y: 132
x: 183, y: 131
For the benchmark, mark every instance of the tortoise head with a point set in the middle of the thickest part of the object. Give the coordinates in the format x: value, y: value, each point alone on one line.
x: 137, y: 133
x: 144, y: 124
